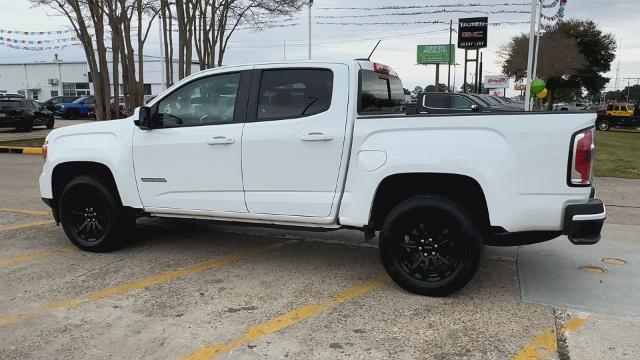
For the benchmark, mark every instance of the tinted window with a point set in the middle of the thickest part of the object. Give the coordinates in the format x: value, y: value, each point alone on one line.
x: 461, y: 102
x: 480, y: 100
x: 207, y: 101
x: 9, y: 104
x: 380, y: 94
x: 610, y: 108
x: 294, y: 93
x: 436, y: 101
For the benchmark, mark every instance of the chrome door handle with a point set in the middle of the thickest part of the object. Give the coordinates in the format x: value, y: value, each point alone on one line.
x: 317, y: 136
x: 220, y: 140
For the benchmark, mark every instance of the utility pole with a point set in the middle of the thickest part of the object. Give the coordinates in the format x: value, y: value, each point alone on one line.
x: 60, y: 88
x: 449, y: 65
x: 537, y: 37
x: 284, y: 50
x: 532, y: 31
x: 310, y: 4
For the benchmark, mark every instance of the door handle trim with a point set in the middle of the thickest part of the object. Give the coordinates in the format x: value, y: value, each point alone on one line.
x: 220, y: 140
x: 317, y: 136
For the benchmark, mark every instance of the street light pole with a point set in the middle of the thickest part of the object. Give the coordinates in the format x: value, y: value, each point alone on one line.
x: 310, y: 4
x: 532, y: 32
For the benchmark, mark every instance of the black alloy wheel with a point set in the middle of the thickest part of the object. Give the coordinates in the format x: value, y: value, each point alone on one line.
x: 430, y: 245
x: 91, y: 215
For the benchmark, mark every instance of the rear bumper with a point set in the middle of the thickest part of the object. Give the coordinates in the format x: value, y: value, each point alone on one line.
x: 583, y: 222
x: 10, y: 122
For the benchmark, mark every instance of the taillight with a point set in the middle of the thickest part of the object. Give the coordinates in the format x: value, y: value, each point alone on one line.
x: 381, y: 69
x: 582, y: 156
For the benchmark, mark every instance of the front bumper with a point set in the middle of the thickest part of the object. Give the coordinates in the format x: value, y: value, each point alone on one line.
x: 583, y: 222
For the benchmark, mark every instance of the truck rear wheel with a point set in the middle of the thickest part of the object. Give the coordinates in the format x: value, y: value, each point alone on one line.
x: 91, y: 215
x: 430, y: 245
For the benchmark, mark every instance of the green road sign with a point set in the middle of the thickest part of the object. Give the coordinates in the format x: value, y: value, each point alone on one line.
x: 436, y: 54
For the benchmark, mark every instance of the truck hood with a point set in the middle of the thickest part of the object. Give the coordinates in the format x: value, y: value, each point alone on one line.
x: 114, y: 127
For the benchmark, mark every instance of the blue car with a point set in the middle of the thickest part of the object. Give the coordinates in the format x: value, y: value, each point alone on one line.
x: 77, y: 109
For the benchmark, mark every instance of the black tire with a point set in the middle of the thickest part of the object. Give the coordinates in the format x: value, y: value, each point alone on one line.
x: 604, y: 125
x: 91, y: 215
x: 430, y: 245
x: 27, y: 125
x: 51, y: 123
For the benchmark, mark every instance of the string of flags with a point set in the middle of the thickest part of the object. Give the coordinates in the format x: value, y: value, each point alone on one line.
x: 30, y: 33
x: 35, y: 48
x: 557, y: 17
x: 498, y: 23
x: 38, y: 42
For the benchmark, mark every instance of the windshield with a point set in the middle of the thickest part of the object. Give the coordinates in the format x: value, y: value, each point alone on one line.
x: 480, y: 99
x: 82, y: 99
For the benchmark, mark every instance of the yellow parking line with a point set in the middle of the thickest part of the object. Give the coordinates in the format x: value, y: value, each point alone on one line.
x: 543, y: 344
x: 25, y: 225
x: 27, y: 212
x: 138, y: 284
x: 36, y: 256
x: 291, y: 318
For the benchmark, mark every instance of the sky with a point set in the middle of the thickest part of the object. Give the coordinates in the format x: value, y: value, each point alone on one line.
x: 340, y: 42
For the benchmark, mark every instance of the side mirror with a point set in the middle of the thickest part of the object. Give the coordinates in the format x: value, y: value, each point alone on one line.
x: 143, y: 118
x: 474, y: 108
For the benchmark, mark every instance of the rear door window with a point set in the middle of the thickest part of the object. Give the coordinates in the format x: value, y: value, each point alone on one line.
x: 461, y: 103
x: 436, y: 101
x: 380, y: 94
x: 293, y: 93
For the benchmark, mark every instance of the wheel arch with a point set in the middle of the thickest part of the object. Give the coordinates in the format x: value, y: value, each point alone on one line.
x: 463, y: 189
x: 64, y: 172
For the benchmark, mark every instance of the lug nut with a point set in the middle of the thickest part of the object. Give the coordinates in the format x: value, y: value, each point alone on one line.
x: 425, y: 254
x: 422, y: 240
x: 419, y: 247
x: 433, y: 253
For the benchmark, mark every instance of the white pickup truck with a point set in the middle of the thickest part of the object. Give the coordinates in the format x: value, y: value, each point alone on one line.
x: 327, y: 145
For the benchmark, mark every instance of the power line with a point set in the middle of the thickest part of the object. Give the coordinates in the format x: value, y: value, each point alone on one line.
x: 415, y: 13
x: 400, y: 7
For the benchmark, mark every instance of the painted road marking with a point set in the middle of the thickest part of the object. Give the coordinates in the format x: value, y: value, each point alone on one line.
x: 25, y: 225
x: 36, y: 256
x: 27, y: 212
x: 284, y: 321
x: 138, y: 284
x: 545, y: 343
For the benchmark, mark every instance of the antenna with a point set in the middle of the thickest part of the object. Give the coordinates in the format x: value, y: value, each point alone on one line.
x: 374, y: 49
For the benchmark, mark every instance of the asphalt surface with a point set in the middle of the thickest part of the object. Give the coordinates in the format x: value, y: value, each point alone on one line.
x: 186, y: 289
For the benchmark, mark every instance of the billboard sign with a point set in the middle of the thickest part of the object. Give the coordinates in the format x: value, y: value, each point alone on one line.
x: 496, y: 82
x: 472, y: 32
x: 436, y: 54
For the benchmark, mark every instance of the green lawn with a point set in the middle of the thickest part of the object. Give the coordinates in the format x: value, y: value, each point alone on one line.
x: 618, y: 154
x: 24, y: 143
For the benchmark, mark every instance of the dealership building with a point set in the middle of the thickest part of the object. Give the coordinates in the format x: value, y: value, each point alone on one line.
x: 43, y: 80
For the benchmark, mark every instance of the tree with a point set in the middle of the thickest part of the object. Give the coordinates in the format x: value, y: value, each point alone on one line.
x: 572, y: 59
x: 432, y: 88
x: 416, y: 91
x: 597, y: 48
x: 85, y: 17
x: 558, y: 58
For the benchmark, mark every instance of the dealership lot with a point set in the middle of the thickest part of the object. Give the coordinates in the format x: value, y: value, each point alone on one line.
x: 186, y: 289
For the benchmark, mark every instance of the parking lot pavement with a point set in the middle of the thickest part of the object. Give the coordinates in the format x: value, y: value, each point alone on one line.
x: 194, y: 290
x: 38, y: 131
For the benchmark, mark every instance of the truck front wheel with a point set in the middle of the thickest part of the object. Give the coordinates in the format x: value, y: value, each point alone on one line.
x: 91, y: 215
x: 430, y: 245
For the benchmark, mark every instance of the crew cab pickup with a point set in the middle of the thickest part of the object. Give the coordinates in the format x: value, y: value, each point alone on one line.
x: 326, y: 145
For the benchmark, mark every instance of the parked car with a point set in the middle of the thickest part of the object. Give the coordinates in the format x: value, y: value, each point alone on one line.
x: 76, y: 109
x: 443, y: 103
x: 23, y: 114
x: 52, y: 104
x: 11, y: 96
x: 326, y: 145
x: 620, y: 110
x: 629, y: 122
x: 576, y: 106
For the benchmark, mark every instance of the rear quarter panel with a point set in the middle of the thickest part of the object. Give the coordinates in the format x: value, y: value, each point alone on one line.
x: 519, y: 160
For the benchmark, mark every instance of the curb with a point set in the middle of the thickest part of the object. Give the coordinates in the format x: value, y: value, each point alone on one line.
x: 21, y: 150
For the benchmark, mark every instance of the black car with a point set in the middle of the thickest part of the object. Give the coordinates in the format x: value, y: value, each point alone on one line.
x: 52, y: 103
x: 607, y: 122
x: 24, y: 114
x: 446, y: 103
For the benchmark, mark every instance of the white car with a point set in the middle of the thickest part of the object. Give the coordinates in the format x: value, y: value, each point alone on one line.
x: 327, y: 145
